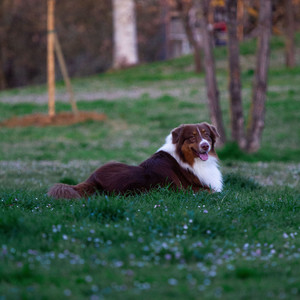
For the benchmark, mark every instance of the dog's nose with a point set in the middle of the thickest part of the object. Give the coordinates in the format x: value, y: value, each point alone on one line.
x: 205, y: 146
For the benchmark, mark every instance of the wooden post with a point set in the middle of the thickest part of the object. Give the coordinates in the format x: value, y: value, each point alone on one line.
x: 50, y: 58
x: 65, y: 74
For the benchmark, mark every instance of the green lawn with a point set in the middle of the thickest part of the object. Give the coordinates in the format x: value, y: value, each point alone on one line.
x: 242, y: 243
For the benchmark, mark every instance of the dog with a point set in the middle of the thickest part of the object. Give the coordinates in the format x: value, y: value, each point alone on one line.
x: 187, y: 160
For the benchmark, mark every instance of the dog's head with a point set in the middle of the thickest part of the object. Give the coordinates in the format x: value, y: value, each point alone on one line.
x: 195, y: 141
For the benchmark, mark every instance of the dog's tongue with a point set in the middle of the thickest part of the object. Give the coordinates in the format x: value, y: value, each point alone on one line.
x: 203, y: 156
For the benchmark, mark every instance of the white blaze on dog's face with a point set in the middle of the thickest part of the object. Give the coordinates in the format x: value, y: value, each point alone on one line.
x: 195, y: 141
x: 192, y: 146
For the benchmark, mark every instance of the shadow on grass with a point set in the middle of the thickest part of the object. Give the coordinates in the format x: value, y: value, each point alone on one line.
x: 68, y: 180
x: 237, y: 182
x: 232, y: 152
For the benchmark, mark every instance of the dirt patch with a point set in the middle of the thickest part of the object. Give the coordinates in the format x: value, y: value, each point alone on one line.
x: 60, y: 119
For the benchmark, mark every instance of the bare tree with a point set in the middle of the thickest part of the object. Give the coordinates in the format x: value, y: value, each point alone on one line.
x: 236, y: 107
x: 7, y: 11
x: 240, y: 19
x: 289, y: 34
x: 210, y: 71
x: 184, y: 8
x: 251, y: 143
x: 125, y: 39
x: 2, y: 75
x: 257, y: 111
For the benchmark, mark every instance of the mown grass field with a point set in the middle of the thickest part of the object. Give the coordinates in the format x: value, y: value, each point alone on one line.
x: 242, y: 243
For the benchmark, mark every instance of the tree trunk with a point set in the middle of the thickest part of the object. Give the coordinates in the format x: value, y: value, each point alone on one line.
x: 210, y: 73
x: 184, y: 15
x: 7, y: 11
x: 240, y: 19
x: 125, y: 40
x: 257, y: 111
x: 289, y: 34
x: 2, y: 73
x: 197, y: 58
x: 236, y: 107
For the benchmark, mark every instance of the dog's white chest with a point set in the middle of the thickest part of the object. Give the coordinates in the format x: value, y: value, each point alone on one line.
x: 207, y: 171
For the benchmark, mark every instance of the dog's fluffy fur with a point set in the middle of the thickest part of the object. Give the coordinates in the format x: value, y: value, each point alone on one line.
x: 186, y: 160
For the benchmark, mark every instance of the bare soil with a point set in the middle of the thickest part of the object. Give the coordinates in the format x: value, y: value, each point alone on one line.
x: 60, y: 119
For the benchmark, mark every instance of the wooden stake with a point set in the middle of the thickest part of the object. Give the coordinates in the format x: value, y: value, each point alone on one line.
x: 50, y: 58
x: 64, y: 71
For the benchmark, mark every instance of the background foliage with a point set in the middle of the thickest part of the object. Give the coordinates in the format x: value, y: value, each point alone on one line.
x: 84, y: 29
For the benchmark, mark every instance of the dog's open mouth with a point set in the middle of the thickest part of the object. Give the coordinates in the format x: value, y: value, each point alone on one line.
x: 203, y: 156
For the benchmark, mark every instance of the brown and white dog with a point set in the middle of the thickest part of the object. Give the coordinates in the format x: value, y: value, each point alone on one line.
x: 186, y: 160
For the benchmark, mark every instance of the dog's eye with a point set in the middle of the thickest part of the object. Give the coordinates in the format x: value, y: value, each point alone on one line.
x: 205, y: 134
x: 192, y: 139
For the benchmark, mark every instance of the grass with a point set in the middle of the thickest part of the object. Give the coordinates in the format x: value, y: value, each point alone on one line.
x: 126, y: 130
x: 242, y: 243
x: 237, y: 244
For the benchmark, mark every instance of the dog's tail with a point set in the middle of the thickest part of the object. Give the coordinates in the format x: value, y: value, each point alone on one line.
x: 66, y: 191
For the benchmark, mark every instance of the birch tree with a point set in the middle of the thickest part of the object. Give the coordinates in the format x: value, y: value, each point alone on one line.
x: 125, y: 37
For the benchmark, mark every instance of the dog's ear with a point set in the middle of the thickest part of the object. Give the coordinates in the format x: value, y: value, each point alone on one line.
x: 213, y: 131
x: 176, y: 134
